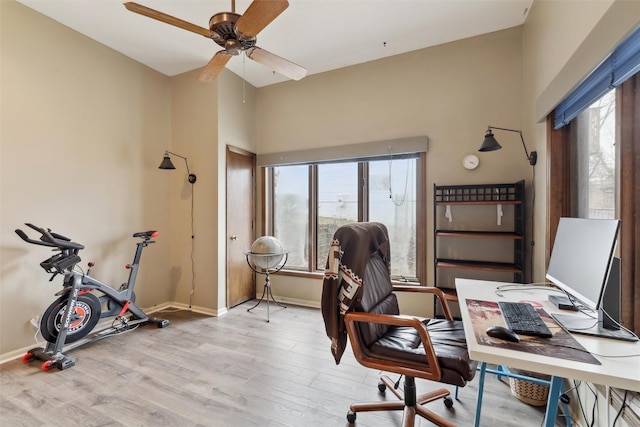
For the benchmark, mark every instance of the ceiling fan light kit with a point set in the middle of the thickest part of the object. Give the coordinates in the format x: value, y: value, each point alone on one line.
x: 235, y: 34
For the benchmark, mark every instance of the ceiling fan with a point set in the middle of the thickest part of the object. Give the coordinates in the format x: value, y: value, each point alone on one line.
x: 236, y: 34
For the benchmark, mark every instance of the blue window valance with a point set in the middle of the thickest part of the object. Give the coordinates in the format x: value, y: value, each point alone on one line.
x: 621, y: 64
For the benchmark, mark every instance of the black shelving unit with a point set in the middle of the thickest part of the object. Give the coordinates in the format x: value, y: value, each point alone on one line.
x: 473, y: 199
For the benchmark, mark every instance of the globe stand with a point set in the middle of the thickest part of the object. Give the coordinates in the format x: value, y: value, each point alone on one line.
x: 267, y: 281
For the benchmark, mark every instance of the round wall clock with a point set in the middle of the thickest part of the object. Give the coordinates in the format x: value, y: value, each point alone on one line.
x: 470, y: 161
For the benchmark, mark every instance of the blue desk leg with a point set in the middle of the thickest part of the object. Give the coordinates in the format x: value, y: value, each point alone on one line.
x: 552, y: 402
x: 483, y: 369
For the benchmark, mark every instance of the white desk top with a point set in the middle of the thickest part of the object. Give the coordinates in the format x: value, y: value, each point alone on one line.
x: 620, y: 372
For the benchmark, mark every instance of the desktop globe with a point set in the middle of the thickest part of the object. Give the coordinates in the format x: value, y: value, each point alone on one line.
x: 266, y: 256
x: 266, y: 253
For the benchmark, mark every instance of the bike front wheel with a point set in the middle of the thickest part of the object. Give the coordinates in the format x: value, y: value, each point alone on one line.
x: 84, y: 318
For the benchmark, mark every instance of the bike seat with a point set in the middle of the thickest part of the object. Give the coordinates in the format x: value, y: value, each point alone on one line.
x: 146, y: 234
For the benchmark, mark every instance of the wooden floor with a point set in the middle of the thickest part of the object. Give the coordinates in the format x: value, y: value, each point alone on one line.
x: 235, y: 370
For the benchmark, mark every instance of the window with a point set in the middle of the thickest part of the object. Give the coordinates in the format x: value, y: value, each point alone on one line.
x: 291, y: 212
x: 309, y: 202
x: 593, y: 150
x: 592, y: 181
x: 338, y: 203
x: 588, y: 158
x: 392, y: 201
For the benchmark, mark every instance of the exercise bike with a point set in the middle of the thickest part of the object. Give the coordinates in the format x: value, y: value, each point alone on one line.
x: 83, y: 300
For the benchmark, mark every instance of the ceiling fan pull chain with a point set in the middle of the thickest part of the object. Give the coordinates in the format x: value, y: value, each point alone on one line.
x: 244, y: 82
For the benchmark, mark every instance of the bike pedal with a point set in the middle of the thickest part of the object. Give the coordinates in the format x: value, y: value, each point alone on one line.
x: 160, y: 323
x: 66, y: 363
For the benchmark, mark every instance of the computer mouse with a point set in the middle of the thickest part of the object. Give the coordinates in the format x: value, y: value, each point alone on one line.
x: 503, y: 333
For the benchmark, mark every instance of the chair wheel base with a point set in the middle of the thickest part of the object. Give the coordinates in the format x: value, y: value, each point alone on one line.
x: 448, y: 402
x: 351, y: 417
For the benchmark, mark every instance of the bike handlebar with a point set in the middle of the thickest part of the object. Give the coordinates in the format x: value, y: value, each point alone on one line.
x: 55, y: 240
x: 48, y: 239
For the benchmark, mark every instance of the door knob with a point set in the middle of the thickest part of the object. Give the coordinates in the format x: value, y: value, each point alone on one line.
x: 234, y: 237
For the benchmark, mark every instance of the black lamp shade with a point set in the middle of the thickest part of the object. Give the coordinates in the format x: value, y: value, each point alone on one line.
x: 166, y: 163
x: 489, y: 143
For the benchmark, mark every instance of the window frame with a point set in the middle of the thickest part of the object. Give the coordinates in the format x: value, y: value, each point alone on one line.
x: 559, y: 193
x: 314, y: 270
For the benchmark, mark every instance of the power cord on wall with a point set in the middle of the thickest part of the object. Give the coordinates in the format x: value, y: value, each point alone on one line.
x: 191, y: 178
x: 533, y: 213
x: 193, y: 271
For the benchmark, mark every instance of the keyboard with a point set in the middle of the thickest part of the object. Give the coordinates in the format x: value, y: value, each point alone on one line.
x: 523, y: 319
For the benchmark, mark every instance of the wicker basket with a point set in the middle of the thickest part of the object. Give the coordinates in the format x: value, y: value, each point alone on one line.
x: 528, y: 392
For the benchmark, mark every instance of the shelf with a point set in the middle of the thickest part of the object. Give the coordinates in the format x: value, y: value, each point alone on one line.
x: 479, y: 202
x: 479, y: 234
x: 451, y: 237
x: 478, y: 265
x: 479, y: 194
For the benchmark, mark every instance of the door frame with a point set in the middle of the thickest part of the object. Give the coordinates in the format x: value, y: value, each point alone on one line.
x: 230, y: 149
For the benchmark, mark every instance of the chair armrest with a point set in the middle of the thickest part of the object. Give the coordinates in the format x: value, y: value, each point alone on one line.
x: 428, y: 290
x: 352, y: 318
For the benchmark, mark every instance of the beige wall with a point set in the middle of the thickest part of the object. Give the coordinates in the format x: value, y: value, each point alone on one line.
x: 237, y: 118
x: 450, y: 93
x: 551, y: 36
x: 195, y: 135
x: 558, y: 52
x: 83, y: 129
x: 66, y: 98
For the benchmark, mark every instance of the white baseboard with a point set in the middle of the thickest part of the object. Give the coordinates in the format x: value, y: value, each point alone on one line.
x: 185, y: 307
x: 17, y: 354
x: 156, y: 309
x: 294, y: 301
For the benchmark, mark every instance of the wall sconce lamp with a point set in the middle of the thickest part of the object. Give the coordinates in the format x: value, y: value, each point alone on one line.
x: 490, y: 144
x: 168, y: 164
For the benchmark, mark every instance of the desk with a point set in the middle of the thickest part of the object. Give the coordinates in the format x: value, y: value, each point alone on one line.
x: 620, y: 372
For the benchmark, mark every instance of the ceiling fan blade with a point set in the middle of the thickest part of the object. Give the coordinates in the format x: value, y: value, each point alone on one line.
x: 258, y: 15
x: 168, y: 19
x: 213, y: 68
x: 276, y: 63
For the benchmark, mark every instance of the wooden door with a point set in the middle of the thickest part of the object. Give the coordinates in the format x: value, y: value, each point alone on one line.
x: 241, y: 283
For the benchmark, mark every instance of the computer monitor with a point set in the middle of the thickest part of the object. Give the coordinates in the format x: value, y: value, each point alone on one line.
x: 581, y: 265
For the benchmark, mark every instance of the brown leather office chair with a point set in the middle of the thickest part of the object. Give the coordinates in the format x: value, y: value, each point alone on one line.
x: 359, y: 301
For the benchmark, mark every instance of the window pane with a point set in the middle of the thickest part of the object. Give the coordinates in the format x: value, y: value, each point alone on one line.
x: 337, y: 203
x: 596, y: 159
x: 392, y: 201
x: 291, y: 212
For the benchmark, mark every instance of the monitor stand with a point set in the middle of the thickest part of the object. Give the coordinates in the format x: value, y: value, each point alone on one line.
x: 607, y: 325
x: 582, y: 324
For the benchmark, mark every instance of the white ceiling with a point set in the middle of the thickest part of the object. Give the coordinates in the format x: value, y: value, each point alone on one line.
x: 320, y: 35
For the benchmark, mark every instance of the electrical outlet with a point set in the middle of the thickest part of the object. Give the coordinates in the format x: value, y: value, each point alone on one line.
x: 35, y: 321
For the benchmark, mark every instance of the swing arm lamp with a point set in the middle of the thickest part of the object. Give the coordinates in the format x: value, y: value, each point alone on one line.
x: 167, y: 164
x: 490, y: 144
